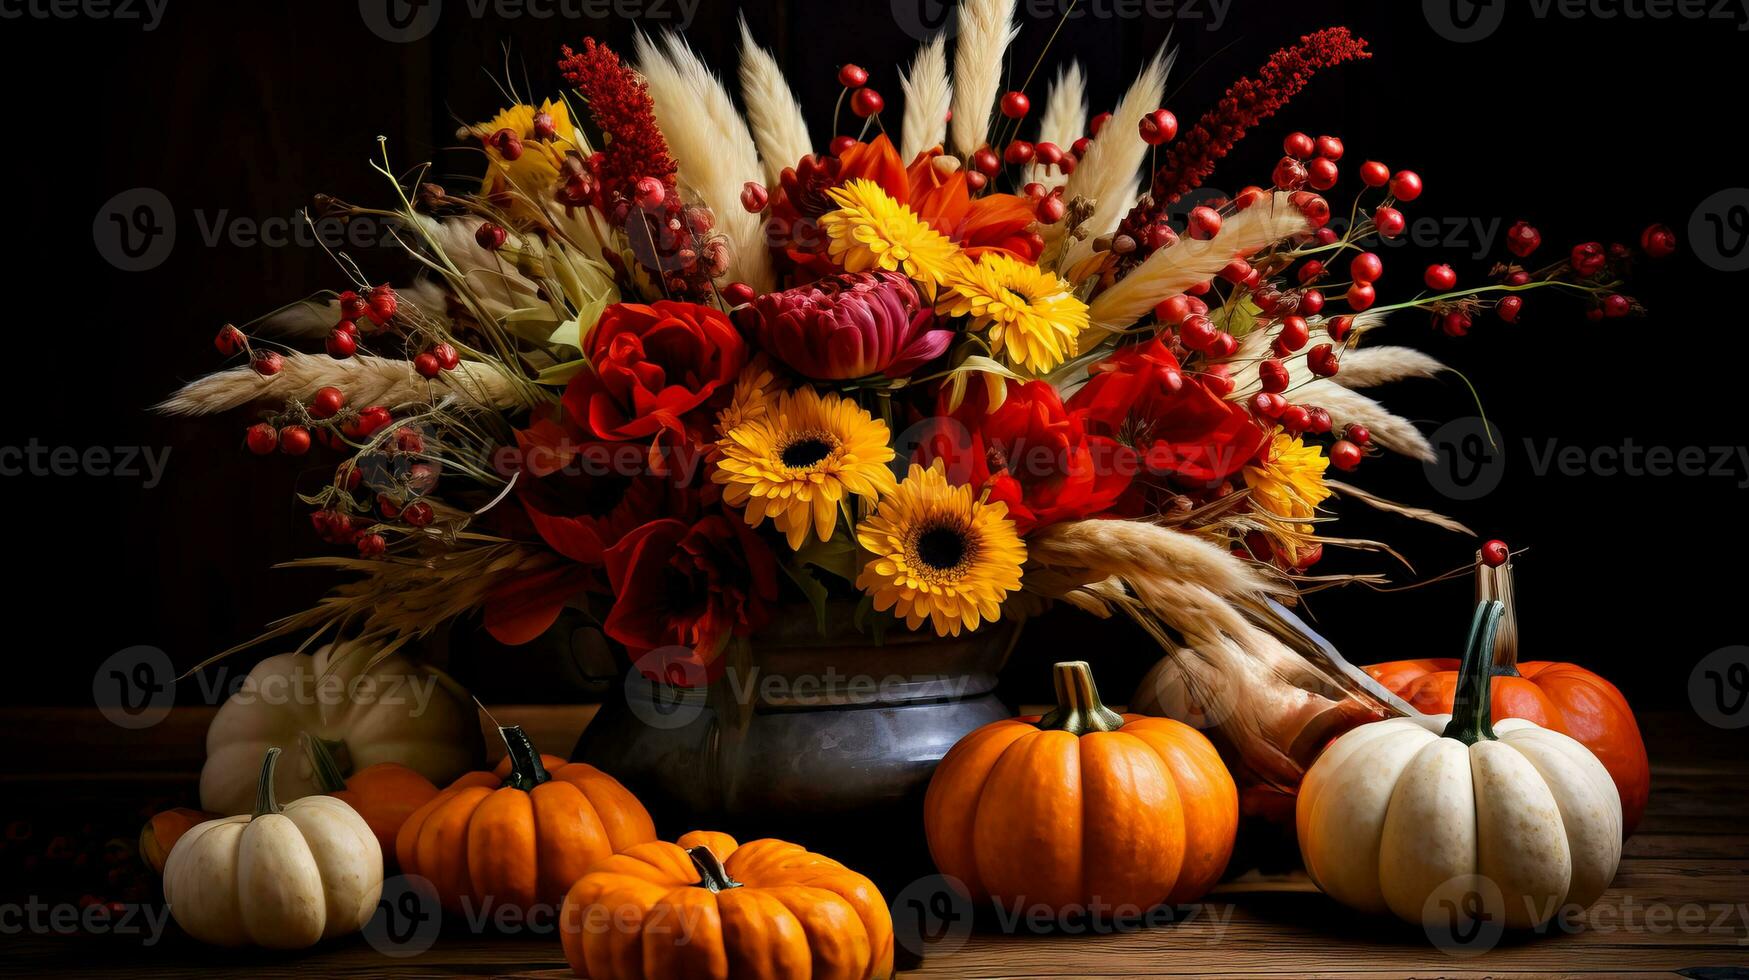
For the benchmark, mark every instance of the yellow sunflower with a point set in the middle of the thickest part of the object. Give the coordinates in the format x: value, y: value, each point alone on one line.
x: 939, y: 554
x: 755, y: 396
x: 1289, y: 484
x: 870, y: 230
x: 530, y: 178
x: 796, y: 463
x: 1033, y: 316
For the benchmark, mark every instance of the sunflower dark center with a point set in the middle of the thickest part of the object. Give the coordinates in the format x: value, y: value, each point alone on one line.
x: 805, y: 452
x: 941, y: 548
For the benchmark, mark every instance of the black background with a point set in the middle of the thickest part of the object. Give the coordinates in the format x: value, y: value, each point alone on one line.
x: 1590, y: 127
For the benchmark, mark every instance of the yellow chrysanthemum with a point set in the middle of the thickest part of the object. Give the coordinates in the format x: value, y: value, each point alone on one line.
x: 1290, y: 483
x: 755, y: 396
x: 870, y: 230
x: 795, y: 464
x: 939, y: 554
x: 1034, y: 319
x: 529, y: 179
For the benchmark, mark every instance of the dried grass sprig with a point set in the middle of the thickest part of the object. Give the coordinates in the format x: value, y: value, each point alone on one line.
x: 1170, y: 271
x: 928, y: 96
x: 1388, y: 430
x: 366, y: 381
x: 400, y: 599
x: 1063, y: 121
x: 1146, y: 554
x: 779, y: 131
x: 714, y: 149
x: 1392, y: 507
x: 985, y: 31
x: 1371, y: 366
x: 1110, y: 171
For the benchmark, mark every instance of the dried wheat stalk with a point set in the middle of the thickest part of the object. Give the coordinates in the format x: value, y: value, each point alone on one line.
x: 366, y: 381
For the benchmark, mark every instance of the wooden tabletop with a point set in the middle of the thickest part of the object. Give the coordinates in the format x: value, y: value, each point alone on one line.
x: 1679, y: 902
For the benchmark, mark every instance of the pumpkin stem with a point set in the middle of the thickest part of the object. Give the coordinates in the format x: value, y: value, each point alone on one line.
x: 322, y: 762
x: 526, y: 769
x: 1496, y: 583
x: 1471, y: 714
x: 264, y: 801
x: 711, y: 873
x: 1079, y: 709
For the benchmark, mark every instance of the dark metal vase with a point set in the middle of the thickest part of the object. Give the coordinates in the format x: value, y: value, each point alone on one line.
x: 826, y: 740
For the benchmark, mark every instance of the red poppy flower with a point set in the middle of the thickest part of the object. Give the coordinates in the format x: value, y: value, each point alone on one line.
x: 1030, y: 454
x: 680, y: 584
x: 656, y: 369
x: 1182, y: 430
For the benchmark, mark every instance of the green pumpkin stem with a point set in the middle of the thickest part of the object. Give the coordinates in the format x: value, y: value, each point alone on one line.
x: 526, y: 770
x: 1079, y: 709
x: 322, y: 762
x: 1496, y: 583
x: 264, y: 801
x: 711, y: 873
x: 1471, y: 714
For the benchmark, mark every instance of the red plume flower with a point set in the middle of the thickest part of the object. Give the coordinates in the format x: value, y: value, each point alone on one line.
x: 1250, y: 101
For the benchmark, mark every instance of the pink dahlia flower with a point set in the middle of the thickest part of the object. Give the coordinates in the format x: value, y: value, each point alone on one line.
x: 848, y: 326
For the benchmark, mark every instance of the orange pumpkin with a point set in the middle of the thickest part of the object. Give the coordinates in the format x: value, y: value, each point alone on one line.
x: 708, y: 907
x: 1560, y: 696
x: 163, y: 830
x: 385, y: 794
x: 1082, y: 804
x: 522, y: 835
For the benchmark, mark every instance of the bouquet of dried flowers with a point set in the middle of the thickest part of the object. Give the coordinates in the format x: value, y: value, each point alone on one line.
x: 671, y: 361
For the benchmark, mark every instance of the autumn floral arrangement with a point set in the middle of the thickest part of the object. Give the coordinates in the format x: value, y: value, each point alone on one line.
x: 682, y: 363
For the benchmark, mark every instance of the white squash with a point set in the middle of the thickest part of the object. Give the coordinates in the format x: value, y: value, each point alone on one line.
x: 396, y: 711
x: 281, y: 877
x: 1403, y: 815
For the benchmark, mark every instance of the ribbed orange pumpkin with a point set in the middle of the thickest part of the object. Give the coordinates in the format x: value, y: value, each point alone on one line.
x: 521, y: 835
x: 1082, y: 805
x: 385, y: 794
x: 1562, y: 697
x: 708, y: 907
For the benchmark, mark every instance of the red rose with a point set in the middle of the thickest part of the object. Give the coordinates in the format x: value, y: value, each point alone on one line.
x: 1030, y: 454
x: 655, y: 369
x: 677, y: 584
x: 1181, y: 429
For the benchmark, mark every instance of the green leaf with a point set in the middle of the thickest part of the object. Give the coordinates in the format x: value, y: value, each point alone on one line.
x: 836, y: 556
x: 811, y: 588
x: 560, y: 374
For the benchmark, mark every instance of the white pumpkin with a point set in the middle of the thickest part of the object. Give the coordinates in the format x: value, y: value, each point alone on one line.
x: 395, y: 711
x: 281, y: 877
x: 1412, y: 815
